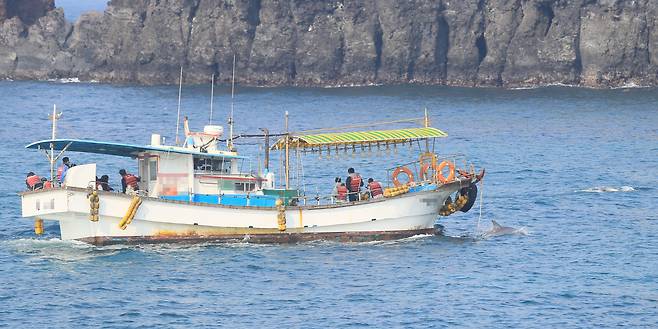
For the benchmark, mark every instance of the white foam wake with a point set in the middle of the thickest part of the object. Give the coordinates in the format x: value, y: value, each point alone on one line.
x: 57, y: 249
x: 607, y: 189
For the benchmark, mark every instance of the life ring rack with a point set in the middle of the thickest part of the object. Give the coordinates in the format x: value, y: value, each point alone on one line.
x: 438, y: 169
x: 426, y: 160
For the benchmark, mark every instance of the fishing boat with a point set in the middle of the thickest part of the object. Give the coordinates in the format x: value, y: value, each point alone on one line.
x: 195, y: 190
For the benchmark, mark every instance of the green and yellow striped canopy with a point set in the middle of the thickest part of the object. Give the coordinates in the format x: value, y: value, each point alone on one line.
x: 361, y: 137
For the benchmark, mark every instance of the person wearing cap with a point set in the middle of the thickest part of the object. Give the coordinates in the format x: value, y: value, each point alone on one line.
x: 353, y: 184
x: 375, y: 189
x: 63, y: 168
x: 104, y: 183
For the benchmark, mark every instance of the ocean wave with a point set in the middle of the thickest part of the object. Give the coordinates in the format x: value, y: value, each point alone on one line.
x: 607, y: 189
x: 544, y: 85
x: 69, y: 80
x: 352, y: 85
x: 65, y: 80
x: 525, y: 88
x: 631, y: 85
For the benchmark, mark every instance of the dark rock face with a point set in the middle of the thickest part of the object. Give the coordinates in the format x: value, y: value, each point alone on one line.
x: 27, y: 10
x: 317, y: 42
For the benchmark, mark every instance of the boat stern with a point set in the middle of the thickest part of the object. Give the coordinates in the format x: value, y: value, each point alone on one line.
x: 43, y: 203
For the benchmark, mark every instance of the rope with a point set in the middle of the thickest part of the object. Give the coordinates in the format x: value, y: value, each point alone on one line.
x: 301, y: 164
x: 477, y: 229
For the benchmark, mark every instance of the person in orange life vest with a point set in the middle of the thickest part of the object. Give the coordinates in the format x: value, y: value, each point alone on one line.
x: 340, y: 190
x: 33, y: 181
x: 375, y: 188
x: 353, y: 183
x: 61, y: 170
x: 341, y: 193
x: 128, y: 180
x: 46, y: 183
x: 334, y: 191
x: 104, y: 183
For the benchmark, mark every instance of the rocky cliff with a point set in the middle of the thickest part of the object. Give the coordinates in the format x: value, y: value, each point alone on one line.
x: 312, y: 42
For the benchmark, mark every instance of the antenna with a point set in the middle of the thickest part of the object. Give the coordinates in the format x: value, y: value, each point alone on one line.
x: 212, y: 95
x: 180, y: 90
x: 230, y: 118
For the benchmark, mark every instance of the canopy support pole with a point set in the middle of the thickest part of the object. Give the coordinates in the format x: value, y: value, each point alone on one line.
x: 427, y: 125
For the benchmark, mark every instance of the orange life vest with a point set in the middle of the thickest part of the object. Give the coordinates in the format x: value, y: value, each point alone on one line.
x: 375, y: 188
x: 33, y: 180
x: 48, y: 184
x: 342, y: 192
x: 130, y: 180
x: 355, y: 183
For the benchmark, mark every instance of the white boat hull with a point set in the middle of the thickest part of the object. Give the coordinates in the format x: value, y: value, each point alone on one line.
x: 159, y: 220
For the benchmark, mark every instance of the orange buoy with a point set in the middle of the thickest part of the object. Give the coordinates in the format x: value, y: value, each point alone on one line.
x: 405, y: 170
x: 451, y: 172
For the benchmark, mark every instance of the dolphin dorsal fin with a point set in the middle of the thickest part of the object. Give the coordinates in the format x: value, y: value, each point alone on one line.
x: 495, y: 224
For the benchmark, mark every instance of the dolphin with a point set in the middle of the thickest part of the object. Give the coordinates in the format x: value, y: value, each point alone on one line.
x: 498, y: 230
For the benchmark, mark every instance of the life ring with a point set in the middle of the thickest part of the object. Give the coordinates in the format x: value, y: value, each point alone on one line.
x: 399, y: 170
x: 451, y: 172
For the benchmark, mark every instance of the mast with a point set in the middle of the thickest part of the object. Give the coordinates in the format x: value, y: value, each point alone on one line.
x: 287, y: 162
x: 180, y: 90
x: 230, y: 118
x: 212, y: 96
x: 54, y: 117
x: 266, y: 133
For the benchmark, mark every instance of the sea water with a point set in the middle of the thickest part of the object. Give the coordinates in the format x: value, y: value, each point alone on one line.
x: 588, y: 259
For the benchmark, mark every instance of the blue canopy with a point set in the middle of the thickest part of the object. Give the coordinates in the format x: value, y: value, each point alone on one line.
x: 118, y: 149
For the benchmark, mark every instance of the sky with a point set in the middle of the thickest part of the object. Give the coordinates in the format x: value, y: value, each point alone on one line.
x: 73, y: 8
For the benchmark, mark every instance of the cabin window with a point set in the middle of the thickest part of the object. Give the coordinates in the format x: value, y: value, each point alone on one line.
x: 216, y: 165
x: 153, y: 169
x: 245, y: 187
